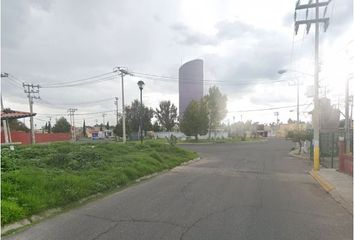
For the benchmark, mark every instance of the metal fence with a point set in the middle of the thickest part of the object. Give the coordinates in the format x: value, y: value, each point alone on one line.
x: 329, y: 147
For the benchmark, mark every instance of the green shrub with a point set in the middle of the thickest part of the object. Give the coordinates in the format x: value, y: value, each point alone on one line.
x: 8, y: 160
x: 36, y: 178
x: 156, y: 156
x: 11, y: 212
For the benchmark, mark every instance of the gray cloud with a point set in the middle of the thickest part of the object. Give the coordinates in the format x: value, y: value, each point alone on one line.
x: 236, y: 29
x: 189, y: 37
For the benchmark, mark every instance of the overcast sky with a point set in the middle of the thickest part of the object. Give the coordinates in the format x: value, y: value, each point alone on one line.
x: 243, y: 45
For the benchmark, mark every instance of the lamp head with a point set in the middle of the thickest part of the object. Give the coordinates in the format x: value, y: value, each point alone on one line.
x: 282, y: 71
x: 141, y: 85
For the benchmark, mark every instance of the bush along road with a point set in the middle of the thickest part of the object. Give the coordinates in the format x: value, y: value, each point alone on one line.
x: 41, y: 177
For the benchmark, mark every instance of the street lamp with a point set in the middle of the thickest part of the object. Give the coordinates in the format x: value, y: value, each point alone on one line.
x: 282, y: 71
x: 141, y: 86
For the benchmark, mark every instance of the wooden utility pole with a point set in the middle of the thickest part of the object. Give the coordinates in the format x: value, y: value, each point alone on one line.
x: 308, y: 23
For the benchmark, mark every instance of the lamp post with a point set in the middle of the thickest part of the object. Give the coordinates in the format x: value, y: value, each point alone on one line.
x: 141, y: 86
x: 282, y: 71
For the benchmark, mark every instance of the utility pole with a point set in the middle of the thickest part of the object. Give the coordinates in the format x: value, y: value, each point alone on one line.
x: 103, y: 119
x: 308, y: 23
x: 297, y: 105
x: 117, y: 117
x: 122, y: 73
x: 277, y: 115
x: 347, y: 120
x: 31, y: 89
x: 4, y: 122
x: 116, y: 103
x: 50, y: 124
x: 71, y: 112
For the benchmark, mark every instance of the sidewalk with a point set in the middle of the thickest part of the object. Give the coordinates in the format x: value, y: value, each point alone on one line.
x: 338, y: 184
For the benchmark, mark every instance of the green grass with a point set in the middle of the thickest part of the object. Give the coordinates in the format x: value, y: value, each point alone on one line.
x: 40, y: 177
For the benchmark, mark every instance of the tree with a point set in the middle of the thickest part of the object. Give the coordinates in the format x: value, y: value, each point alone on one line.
x: 118, y: 129
x: 45, y: 128
x: 107, y: 126
x: 49, y: 127
x: 84, y: 129
x: 156, y: 127
x: 16, y: 125
x: 216, y: 103
x: 290, y: 121
x: 133, y: 117
x: 166, y: 115
x: 61, y: 125
x: 195, y: 119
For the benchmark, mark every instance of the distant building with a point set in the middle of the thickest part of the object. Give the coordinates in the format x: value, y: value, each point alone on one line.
x: 284, y: 128
x: 190, y: 83
x: 329, y: 116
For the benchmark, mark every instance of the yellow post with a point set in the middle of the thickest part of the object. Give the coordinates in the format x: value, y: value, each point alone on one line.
x: 316, y: 158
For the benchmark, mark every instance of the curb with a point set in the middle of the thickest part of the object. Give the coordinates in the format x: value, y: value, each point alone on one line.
x: 6, y: 229
x: 298, y: 156
x: 329, y: 188
x: 324, y: 183
x: 165, y: 171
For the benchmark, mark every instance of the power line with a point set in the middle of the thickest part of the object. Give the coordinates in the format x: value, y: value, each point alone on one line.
x: 190, y: 80
x: 14, y: 84
x: 266, y: 109
x: 78, y: 80
x: 79, y: 83
x: 61, y: 114
x: 75, y: 103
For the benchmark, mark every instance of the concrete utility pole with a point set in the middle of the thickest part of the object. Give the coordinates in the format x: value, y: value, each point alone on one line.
x: 297, y: 104
x: 116, y: 103
x: 347, y: 119
x: 31, y: 89
x: 117, y: 117
x: 4, y: 122
x: 277, y: 115
x: 71, y: 112
x: 50, y: 124
x: 282, y: 71
x: 103, y: 119
x: 309, y: 22
x: 122, y: 73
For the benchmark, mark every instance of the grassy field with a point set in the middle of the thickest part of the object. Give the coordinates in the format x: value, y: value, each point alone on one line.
x: 40, y: 177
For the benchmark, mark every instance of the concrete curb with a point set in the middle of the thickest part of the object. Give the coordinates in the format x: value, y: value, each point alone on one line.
x: 329, y: 188
x: 338, y: 198
x: 51, y: 212
x: 323, y: 182
x: 298, y: 156
x: 209, y: 143
x: 166, y: 170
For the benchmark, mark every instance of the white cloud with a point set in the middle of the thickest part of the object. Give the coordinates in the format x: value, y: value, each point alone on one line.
x: 242, y: 45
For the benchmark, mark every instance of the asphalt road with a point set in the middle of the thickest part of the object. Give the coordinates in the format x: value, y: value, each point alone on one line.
x: 236, y: 191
